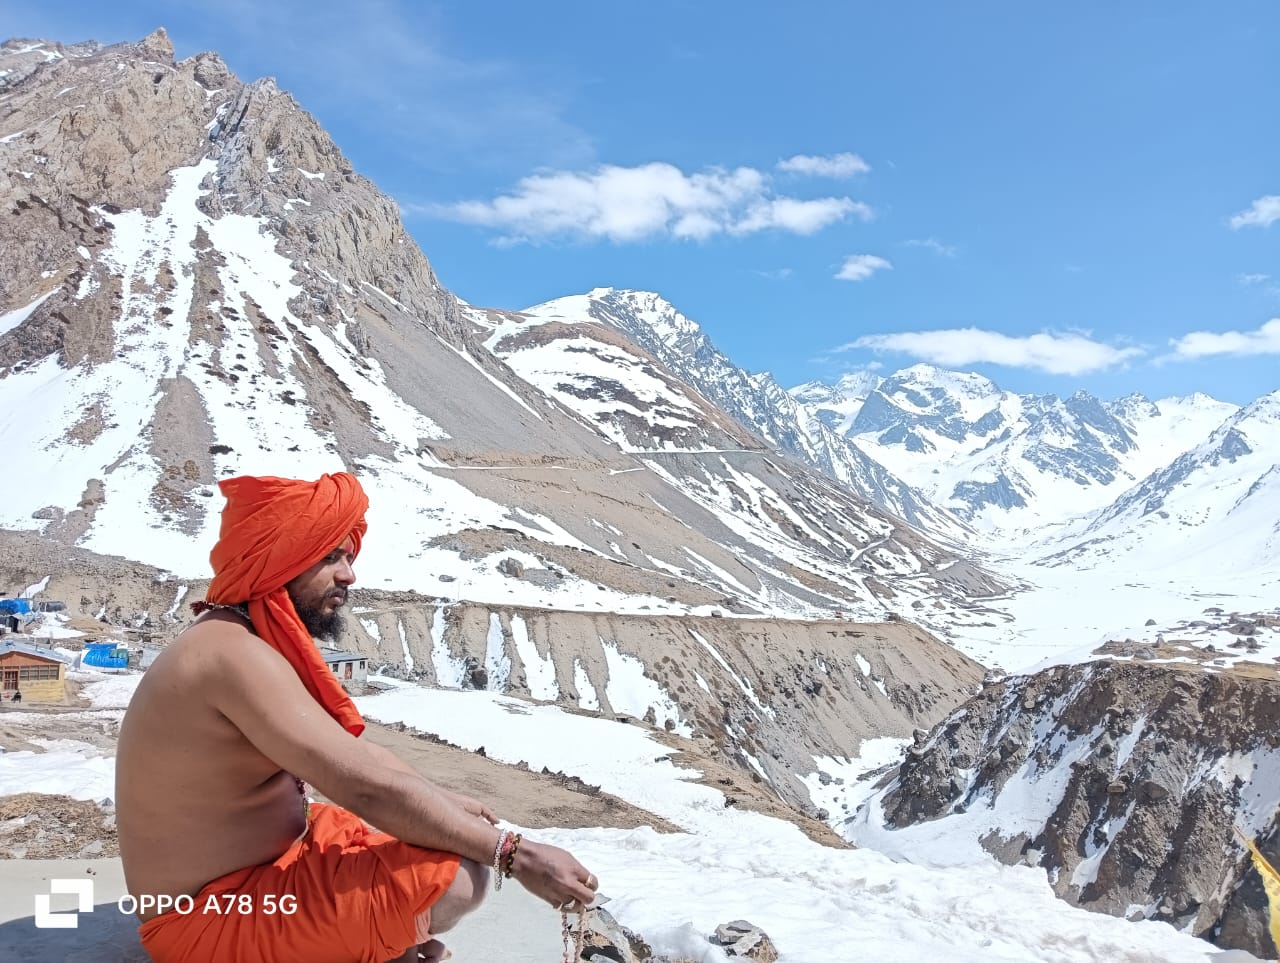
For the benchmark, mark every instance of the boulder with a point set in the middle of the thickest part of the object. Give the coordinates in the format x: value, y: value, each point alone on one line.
x: 511, y: 567
x: 605, y: 940
x: 746, y: 940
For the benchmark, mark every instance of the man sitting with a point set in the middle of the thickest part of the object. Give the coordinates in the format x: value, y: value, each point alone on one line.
x: 237, y: 714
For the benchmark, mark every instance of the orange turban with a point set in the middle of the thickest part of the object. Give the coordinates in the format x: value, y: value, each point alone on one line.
x: 273, y: 530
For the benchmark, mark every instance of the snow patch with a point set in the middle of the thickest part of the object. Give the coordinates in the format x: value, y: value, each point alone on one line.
x: 632, y: 692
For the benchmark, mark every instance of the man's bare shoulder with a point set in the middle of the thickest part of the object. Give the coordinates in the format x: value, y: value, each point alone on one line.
x: 221, y: 643
x: 235, y: 672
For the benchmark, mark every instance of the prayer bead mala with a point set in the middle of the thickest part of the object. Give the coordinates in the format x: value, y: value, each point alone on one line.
x: 239, y: 608
x: 573, y: 950
x: 306, y: 802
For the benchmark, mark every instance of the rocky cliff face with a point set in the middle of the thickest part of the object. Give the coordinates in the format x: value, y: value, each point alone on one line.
x: 1122, y: 778
x: 764, y: 695
x: 93, y: 129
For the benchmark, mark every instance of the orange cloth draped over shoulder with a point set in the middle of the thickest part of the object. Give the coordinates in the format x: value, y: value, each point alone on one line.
x: 273, y: 530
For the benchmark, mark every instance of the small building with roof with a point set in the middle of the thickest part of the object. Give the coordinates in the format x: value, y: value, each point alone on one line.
x: 15, y: 615
x: 350, y: 668
x: 30, y: 672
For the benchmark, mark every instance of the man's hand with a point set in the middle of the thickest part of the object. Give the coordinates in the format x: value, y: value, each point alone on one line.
x: 554, y: 875
x: 474, y: 806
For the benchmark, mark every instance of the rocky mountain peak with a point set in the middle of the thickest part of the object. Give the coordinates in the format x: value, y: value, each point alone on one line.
x: 157, y: 45
x: 858, y: 384
x: 20, y: 58
x: 1134, y: 405
x: 998, y: 459
x: 816, y: 393
x: 1265, y: 409
x: 943, y: 382
x: 850, y: 388
x: 657, y: 315
x: 755, y: 402
x: 918, y: 405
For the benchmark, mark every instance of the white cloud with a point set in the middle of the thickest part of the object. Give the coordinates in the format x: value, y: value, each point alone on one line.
x: 1060, y: 354
x: 777, y: 274
x: 1204, y: 344
x: 798, y: 217
x: 633, y: 203
x: 859, y: 267
x: 834, y: 165
x: 1261, y: 213
x: 933, y: 244
x: 1248, y: 279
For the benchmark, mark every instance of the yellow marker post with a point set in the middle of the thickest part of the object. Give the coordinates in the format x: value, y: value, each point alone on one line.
x: 1270, y: 882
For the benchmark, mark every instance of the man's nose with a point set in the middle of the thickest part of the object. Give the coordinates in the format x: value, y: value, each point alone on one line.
x: 345, y: 574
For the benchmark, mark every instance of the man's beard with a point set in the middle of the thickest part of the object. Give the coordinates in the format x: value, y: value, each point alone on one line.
x: 321, y: 626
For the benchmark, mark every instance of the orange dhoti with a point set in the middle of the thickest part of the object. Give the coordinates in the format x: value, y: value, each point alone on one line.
x: 355, y: 896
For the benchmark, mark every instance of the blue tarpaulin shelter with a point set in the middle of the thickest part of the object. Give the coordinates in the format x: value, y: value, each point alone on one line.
x: 105, y: 655
x: 15, y: 606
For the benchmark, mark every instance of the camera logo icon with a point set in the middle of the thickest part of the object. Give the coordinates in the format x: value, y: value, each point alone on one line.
x: 46, y: 919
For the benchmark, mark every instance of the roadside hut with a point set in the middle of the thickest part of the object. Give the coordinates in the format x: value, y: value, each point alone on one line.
x: 350, y: 668
x: 31, y: 673
x: 15, y: 615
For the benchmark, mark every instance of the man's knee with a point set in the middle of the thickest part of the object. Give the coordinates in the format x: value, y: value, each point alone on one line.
x: 472, y: 884
x: 463, y: 896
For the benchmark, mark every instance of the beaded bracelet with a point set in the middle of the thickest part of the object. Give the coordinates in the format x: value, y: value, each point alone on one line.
x: 510, y: 861
x: 497, y: 858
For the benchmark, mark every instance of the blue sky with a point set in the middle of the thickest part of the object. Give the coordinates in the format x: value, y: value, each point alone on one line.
x: 1075, y: 196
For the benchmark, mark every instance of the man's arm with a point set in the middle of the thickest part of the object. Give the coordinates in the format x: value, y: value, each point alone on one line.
x: 388, y: 758
x: 474, y: 806
x: 259, y: 693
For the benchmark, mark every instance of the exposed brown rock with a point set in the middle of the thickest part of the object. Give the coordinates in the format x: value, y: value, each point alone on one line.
x: 1168, y: 758
x: 41, y: 826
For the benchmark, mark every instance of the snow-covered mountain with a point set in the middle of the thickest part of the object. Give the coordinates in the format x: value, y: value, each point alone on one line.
x: 1163, y: 501
x: 836, y: 405
x: 1005, y: 461
x: 211, y: 289
x: 1216, y: 502
x: 685, y: 370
